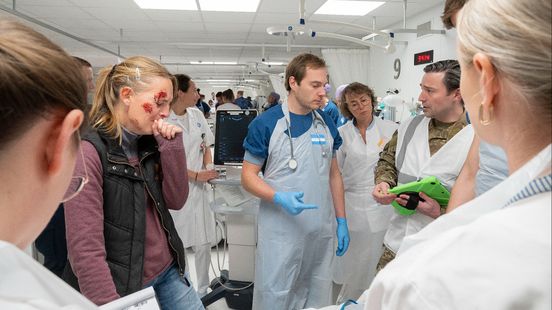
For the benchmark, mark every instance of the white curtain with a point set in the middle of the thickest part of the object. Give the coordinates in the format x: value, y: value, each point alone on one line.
x: 277, y: 81
x: 347, y: 65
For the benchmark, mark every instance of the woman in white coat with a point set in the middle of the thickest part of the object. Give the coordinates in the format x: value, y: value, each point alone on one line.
x: 363, y: 140
x: 195, y: 222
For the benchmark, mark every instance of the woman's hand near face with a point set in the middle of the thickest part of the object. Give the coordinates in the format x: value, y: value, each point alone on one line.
x: 165, y: 129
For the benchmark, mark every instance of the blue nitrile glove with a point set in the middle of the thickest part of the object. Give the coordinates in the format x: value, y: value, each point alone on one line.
x: 342, y: 236
x: 292, y: 202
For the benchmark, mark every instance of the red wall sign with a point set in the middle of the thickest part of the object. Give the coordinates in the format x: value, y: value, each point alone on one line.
x: 423, y: 58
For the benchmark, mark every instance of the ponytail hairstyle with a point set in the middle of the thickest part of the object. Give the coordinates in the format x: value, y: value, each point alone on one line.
x: 134, y: 72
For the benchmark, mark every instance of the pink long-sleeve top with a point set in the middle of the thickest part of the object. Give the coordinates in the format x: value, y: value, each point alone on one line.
x: 84, y: 221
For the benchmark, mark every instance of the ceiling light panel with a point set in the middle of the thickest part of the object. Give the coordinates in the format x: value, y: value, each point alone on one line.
x: 188, y: 5
x: 349, y: 8
x: 229, y: 6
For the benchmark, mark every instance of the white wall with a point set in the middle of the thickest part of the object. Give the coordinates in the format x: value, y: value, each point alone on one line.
x: 381, y: 64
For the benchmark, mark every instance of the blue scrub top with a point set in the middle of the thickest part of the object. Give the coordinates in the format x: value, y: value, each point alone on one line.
x: 260, y: 130
x: 332, y: 111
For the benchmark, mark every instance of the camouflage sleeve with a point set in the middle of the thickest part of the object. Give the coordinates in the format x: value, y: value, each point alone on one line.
x: 385, y: 169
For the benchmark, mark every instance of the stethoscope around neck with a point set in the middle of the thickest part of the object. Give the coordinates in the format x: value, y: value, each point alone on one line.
x: 292, y: 163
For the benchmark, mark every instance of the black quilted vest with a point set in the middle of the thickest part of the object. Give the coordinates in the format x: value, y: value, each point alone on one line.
x: 124, y: 210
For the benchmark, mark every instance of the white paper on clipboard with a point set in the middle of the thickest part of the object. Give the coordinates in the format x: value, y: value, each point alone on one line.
x: 141, y: 300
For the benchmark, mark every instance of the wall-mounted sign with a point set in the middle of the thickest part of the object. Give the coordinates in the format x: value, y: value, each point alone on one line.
x: 397, y: 68
x: 423, y: 58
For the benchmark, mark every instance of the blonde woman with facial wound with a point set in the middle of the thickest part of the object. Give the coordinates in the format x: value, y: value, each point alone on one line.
x: 120, y: 235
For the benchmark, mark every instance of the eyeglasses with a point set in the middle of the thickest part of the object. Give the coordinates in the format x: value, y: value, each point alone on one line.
x: 77, y: 182
x: 355, y: 105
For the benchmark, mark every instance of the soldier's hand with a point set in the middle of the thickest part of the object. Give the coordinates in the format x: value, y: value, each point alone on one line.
x: 381, y: 194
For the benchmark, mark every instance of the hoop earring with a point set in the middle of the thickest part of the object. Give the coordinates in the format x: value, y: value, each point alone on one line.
x: 485, y: 121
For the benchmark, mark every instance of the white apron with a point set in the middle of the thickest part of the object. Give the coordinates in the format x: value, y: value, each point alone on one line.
x: 445, y: 164
x: 367, y: 220
x: 294, y: 253
x: 195, y: 222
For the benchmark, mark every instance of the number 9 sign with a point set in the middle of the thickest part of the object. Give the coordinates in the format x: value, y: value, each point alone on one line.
x: 397, y: 68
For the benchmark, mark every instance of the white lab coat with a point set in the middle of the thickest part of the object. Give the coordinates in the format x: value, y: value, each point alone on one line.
x: 25, y: 284
x: 195, y: 222
x: 499, y: 261
x: 480, y: 256
x: 445, y: 164
x: 367, y: 220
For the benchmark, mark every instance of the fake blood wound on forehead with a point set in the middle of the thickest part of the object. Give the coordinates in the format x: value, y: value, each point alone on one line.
x: 147, y: 107
x: 160, y: 96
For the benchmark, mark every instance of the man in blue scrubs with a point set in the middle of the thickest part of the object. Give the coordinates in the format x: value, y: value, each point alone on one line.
x: 301, y: 193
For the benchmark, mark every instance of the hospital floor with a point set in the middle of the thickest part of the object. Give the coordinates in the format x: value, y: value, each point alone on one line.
x: 221, y: 303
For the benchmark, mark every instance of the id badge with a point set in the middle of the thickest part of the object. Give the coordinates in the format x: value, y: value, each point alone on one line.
x: 318, y: 139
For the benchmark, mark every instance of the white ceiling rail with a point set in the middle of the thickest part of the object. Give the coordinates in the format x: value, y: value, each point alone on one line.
x: 194, y: 44
x: 292, y: 31
x: 202, y: 65
x: 419, y: 32
x: 42, y: 24
x: 388, y: 48
x: 257, y: 69
x: 423, y: 29
x: 369, y: 30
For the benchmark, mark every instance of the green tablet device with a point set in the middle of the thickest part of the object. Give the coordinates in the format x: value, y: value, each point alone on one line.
x: 429, y: 185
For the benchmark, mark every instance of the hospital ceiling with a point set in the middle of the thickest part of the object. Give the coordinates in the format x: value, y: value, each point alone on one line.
x: 176, y: 38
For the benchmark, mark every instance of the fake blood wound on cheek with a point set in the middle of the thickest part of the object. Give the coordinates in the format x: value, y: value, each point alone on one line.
x: 147, y: 107
x: 160, y: 96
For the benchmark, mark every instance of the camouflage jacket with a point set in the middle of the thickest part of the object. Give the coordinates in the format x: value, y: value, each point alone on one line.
x: 439, y: 134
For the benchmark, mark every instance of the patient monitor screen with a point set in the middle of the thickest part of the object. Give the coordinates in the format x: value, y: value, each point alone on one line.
x: 231, y: 130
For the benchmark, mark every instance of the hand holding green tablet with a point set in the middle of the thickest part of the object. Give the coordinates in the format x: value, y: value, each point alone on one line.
x: 428, y: 185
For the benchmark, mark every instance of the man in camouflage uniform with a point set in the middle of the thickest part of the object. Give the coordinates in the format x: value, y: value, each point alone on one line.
x: 444, y: 118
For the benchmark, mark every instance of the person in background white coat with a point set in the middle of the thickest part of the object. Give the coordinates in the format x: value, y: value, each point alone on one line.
x: 363, y: 140
x: 41, y: 114
x: 195, y: 222
x: 228, y: 101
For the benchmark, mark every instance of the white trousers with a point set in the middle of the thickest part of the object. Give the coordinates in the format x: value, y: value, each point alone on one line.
x: 202, y: 263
